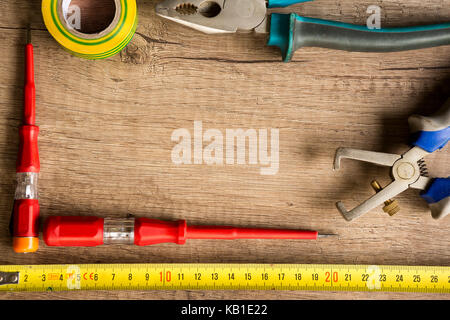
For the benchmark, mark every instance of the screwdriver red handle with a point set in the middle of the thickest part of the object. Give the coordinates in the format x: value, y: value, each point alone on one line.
x: 28, y: 158
x: 26, y: 205
x: 91, y: 231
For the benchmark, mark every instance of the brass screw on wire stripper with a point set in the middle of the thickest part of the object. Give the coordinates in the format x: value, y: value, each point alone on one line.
x: 391, y: 206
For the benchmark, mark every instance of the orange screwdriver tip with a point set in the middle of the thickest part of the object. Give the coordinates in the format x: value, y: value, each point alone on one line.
x: 25, y: 244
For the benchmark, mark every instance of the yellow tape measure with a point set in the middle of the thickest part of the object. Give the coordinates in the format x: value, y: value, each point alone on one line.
x: 224, y: 277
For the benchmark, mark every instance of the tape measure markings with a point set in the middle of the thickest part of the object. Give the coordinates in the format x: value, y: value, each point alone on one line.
x: 230, y: 277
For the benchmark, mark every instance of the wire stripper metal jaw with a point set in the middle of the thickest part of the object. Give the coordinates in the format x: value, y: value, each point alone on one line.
x: 407, y: 170
x: 218, y: 16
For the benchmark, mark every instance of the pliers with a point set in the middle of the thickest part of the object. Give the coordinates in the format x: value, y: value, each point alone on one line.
x: 290, y: 32
x: 429, y: 134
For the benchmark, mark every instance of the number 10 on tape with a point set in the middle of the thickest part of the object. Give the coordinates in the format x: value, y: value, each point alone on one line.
x: 225, y: 277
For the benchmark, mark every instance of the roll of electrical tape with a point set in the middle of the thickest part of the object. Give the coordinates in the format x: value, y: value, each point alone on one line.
x: 99, y: 45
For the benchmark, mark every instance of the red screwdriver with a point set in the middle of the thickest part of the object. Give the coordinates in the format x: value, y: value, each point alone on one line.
x: 70, y: 231
x: 25, y: 214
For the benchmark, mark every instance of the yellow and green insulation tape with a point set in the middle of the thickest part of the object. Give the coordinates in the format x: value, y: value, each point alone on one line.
x: 93, y: 46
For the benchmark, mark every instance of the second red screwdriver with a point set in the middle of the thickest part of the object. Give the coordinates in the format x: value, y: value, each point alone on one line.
x: 79, y: 231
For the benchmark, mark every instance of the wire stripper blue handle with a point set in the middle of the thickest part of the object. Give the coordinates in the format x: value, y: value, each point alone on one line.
x: 433, y: 132
x: 290, y: 32
x: 431, y: 140
x: 438, y: 197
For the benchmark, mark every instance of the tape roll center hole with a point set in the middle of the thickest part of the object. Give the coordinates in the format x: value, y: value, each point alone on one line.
x: 87, y: 16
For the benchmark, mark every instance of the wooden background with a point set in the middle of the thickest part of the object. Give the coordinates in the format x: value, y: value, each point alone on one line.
x: 105, y: 142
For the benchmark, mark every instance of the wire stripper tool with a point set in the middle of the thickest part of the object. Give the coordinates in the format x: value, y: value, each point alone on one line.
x: 429, y: 134
x: 290, y: 32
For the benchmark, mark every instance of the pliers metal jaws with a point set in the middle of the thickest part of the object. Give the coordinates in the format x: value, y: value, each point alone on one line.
x: 218, y: 16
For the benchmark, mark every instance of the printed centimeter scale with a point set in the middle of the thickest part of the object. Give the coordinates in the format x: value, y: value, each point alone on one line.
x: 225, y: 276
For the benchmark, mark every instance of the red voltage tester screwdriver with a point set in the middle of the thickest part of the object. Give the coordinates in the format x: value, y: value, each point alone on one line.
x: 24, y: 220
x: 92, y: 231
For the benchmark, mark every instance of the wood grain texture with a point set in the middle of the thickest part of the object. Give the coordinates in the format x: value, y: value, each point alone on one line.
x: 105, y: 142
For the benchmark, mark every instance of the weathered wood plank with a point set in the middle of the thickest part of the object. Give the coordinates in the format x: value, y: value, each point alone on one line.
x: 106, y: 127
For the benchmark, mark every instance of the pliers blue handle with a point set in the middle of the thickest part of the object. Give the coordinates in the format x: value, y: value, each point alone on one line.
x: 284, y: 3
x: 290, y: 32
